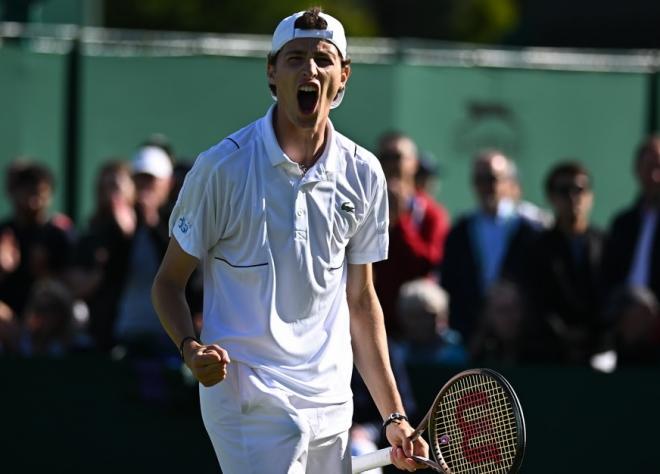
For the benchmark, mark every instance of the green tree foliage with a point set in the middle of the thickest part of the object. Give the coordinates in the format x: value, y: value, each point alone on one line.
x: 483, y: 21
x: 229, y: 16
x: 453, y: 20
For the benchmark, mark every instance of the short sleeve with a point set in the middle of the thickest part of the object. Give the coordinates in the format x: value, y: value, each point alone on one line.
x: 370, y: 242
x: 196, y: 221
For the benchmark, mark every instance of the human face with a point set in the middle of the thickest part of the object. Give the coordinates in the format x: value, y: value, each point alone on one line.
x: 307, y: 75
x: 151, y: 192
x: 115, y: 187
x: 33, y: 200
x: 399, y: 159
x: 571, y: 197
x: 492, y: 181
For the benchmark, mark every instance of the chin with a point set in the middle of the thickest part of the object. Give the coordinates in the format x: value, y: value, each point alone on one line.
x: 307, y: 121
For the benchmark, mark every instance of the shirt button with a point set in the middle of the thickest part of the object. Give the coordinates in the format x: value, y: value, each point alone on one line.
x: 300, y: 212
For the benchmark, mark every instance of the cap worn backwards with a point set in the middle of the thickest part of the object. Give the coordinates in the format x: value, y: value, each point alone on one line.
x: 334, y: 33
x: 286, y: 31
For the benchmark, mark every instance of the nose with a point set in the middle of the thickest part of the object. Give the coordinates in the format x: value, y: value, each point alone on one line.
x: 310, y: 68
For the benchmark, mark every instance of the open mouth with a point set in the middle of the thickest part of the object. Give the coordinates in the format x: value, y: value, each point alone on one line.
x: 307, y: 98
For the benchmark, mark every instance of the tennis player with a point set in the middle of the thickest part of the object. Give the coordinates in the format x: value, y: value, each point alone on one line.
x: 286, y: 217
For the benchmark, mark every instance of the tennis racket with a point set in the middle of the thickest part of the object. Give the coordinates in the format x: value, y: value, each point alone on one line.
x: 475, y: 425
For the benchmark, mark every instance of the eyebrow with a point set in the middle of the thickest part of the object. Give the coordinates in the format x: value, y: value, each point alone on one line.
x: 316, y: 53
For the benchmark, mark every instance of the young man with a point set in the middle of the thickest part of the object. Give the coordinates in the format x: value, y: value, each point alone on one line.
x: 286, y: 217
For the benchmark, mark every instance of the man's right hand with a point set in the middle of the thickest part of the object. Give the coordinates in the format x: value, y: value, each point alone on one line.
x: 207, y: 363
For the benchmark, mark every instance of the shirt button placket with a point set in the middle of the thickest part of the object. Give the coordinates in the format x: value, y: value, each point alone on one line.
x: 300, y: 216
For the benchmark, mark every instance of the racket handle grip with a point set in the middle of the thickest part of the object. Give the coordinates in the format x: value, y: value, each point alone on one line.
x: 373, y: 460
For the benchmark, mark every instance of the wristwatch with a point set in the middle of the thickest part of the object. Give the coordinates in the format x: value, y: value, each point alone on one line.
x: 396, y: 416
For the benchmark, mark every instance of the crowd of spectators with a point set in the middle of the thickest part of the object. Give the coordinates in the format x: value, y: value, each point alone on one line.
x: 509, y: 283
x: 505, y: 283
x: 518, y: 284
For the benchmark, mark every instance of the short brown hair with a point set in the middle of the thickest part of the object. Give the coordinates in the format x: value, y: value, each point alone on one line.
x: 565, y: 168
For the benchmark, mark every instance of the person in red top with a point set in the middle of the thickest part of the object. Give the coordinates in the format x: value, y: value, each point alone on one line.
x: 418, y: 225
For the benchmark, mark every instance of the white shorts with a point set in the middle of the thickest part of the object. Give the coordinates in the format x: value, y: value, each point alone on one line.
x: 257, y: 429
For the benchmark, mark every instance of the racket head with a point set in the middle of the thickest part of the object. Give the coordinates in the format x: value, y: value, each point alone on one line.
x: 476, y: 424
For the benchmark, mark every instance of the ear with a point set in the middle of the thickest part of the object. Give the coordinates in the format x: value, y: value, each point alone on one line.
x: 270, y: 73
x: 345, y: 74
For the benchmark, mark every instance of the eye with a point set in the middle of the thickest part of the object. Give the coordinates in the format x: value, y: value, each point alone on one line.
x: 323, y: 61
x: 294, y: 59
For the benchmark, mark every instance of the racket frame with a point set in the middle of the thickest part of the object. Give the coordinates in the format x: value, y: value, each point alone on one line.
x: 429, y: 422
x: 382, y: 457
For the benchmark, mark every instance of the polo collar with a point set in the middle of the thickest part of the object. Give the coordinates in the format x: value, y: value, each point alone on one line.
x: 325, y: 166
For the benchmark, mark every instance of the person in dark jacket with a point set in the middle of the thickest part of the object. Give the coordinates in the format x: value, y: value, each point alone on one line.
x: 565, y: 271
x: 485, y: 246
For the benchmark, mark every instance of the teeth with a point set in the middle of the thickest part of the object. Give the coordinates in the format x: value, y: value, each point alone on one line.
x: 307, y: 88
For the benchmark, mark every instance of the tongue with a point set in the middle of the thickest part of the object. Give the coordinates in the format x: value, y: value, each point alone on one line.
x: 306, y: 101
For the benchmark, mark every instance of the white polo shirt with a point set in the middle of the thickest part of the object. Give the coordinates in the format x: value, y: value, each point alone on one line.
x: 274, y: 245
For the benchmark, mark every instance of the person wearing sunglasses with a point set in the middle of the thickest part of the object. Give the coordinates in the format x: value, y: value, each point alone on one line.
x: 565, y: 269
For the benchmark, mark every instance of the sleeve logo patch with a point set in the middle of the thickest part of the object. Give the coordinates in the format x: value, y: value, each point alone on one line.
x: 183, y: 225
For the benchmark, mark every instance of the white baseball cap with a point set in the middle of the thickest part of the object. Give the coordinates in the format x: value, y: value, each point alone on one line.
x: 334, y: 33
x: 286, y: 31
x: 154, y: 161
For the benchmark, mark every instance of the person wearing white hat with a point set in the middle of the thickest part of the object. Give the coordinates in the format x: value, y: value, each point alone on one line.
x: 140, y: 251
x: 286, y: 217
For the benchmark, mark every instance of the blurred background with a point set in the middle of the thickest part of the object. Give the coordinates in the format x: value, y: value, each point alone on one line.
x: 86, y: 81
x: 74, y: 97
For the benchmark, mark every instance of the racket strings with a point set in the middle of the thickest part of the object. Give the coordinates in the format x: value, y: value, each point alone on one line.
x: 476, y: 428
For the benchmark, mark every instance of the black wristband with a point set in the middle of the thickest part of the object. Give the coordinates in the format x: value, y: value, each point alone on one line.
x: 183, y: 341
x: 396, y: 416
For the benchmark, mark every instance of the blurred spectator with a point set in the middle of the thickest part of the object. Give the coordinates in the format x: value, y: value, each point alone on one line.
x: 635, y: 316
x: 632, y: 254
x: 427, y: 174
x: 501, y: 336
x: 423, y: 310
x: 533, y: 213
x: 102, y: 256
x: 486, y: 246
x: 364, y: 441
x: 418, y: 226
x: 565, y: 266
x: 33, y: 243
x: 48, y: 321
x: 138, y: 327
x: 162, y: 141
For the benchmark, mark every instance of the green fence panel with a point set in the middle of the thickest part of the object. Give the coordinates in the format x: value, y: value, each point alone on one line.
x: 32, y: 95
x: 195, y: 101
x: 369, y: 106
x: 538, y: 117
